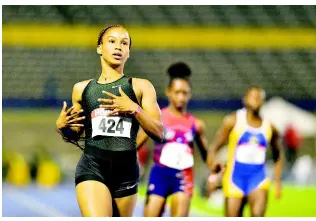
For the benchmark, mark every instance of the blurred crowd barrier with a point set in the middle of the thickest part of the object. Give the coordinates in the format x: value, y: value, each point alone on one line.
x: 20, y: 171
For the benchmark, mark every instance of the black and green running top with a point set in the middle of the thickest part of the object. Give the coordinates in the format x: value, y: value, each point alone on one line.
x: 114, y: 133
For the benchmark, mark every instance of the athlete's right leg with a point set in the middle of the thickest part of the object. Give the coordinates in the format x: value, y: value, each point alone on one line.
x: 234, y: 191
x: 234, y: 207
x: 157, y: 192
x: 94, y: 199
x: 93, y: 194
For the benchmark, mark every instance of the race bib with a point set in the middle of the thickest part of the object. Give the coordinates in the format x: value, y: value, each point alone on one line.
x: 250, y: 154
x: 176, y: 155
x: 114, y: 126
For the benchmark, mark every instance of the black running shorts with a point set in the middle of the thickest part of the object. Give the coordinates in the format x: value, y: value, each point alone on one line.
x: 118, y: 170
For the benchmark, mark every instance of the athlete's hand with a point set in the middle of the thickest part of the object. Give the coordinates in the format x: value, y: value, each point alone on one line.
x: 218, y: 168
x: 278, y: 189
x: 213, y: 181
x: 118, y: 104
x: 66, y: 119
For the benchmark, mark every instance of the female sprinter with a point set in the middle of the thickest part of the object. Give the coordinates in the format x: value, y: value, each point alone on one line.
x: 172, y: 173
x: 248, y: 137
x: 113, y: 106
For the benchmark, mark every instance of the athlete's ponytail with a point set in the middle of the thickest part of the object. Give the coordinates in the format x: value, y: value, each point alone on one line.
x: 179, y: 70
x: 72, y: 137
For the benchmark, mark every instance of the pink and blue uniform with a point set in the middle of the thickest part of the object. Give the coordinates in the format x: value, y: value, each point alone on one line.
x: 173, y: 158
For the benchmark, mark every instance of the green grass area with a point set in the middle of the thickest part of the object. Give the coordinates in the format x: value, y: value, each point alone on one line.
x: 296, y: 201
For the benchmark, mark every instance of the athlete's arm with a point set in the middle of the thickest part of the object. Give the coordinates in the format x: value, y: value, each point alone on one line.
x: 149, y: 115
x: 220, y: 139
x: 277, y: 155
x: 200, y: 139
x: 69, y: 123
x: 141, y: 139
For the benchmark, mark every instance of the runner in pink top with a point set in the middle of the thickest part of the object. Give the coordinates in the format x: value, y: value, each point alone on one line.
x: 172, y: 172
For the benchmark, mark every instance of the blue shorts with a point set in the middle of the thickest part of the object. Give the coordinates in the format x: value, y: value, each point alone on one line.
x: 165, y: 181
x: 241, y: 181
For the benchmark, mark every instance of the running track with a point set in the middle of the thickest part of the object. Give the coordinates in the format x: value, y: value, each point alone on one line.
x: 34, y: 201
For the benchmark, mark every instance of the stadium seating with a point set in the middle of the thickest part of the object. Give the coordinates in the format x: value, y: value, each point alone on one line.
x: 218, y: 74
x: 285, y: 16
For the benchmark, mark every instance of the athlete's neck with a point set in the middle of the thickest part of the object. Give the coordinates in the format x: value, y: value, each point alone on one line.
x: 253, y: 115
x: 253, y: 119
x: 110, y: 74
x: 176, y: 111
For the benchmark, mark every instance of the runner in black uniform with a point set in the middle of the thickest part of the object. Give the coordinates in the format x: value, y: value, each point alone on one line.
x: 109, y: 111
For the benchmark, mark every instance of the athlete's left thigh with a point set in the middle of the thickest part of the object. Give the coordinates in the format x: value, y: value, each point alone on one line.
x: 258, y: 199
x: 258, y: 186
x: 180, y: 204
x: 125, y: 185
x: 126, y: 205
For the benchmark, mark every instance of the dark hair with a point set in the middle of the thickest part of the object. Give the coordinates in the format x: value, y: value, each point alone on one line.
x: 69, y: 136
x: 252, y: 87
x: 102, y: 32
x: 179, y: 70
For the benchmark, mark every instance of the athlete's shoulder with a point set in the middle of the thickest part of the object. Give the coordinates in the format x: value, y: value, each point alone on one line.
x: 81, y: 85
x: 199, y: 124
x: 192, y: 118
x: 78, y: 90
x: 230, y: 119
x: 142, y: 83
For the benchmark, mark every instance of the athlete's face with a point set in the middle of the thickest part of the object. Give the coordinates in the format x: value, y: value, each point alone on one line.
x: 179, y: 93
x: 254, y: 99
x: 115, y: 46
